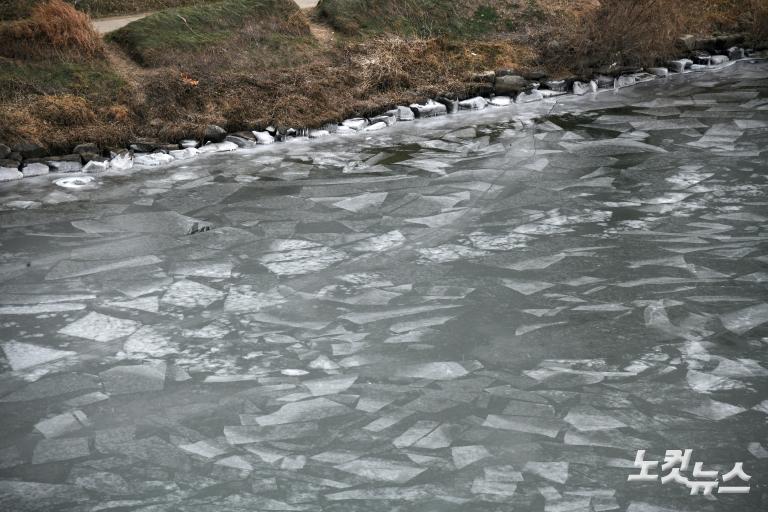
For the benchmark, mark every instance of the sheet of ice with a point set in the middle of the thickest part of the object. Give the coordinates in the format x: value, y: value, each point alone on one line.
x: 744, y: 320
x: 307, y: 410
x: 382, y: 470
x: 98, y: 327
x: 22, y: 356
x: 434, y: 371
x: 186, y: 293
x: 120, y: 380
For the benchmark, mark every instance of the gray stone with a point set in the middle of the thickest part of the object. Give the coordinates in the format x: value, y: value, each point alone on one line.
x: 510, y: 85
x: 144, y: 145
x: 240, y: 141
x: 476, y: 103
x: 429, y: 109
x: 263, y: 137
x: 29, y: 150
x: 10, y: 174
x: 451, y: 106
x: 4, y: 151
x: 680, y: 65
x: 214, y: 133
x: 605, y: 82
x: 529, y: 97
x: 188, y: 143
x: 717, y: 60
x: 357, y: 123
x: 389, y: 119
x: 35, y: 169
x: 81, y: 149
x: 67, y: 163
x: 403, y: 113
x: 556, y: 85
x: 96, y: 165
x: 122, y: 380
x: 734, y: 53
x: 659, y: 72
x: 625, y: 81
x: 581, y: 88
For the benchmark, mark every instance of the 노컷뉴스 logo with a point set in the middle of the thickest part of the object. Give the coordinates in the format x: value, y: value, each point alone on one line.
x: 702, y: 481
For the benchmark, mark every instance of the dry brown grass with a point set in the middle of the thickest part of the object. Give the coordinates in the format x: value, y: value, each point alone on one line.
x: 62, y: 110
x: 55, y: 29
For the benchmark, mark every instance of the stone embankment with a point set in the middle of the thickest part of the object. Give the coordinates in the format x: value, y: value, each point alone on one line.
x: 498, y: 89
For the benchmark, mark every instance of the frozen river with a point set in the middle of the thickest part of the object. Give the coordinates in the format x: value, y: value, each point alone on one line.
x: 475, y: 313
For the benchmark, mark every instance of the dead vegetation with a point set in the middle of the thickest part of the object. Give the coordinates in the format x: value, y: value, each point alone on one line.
x: 258, y: 65
x: 54, y: 30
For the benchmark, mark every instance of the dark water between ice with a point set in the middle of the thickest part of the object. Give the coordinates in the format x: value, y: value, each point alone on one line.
x: 477, y: 313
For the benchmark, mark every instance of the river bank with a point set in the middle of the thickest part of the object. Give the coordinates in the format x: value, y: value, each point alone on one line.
x: 172, y: 77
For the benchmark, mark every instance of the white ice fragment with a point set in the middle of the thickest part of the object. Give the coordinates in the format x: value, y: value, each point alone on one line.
x: 207, y: 449
x: 361, y: 202
x: 98, y: 327
x: 463, y: 456
x: 526, y: 287
x: 75, y: 182
x: 553, y: 471
x: 433, y: 371
x: 189, y: 294
x: 744, y: 320
x: 382, y: 469
x: 586, y: 419
x: 330, y: 385
x: 548, y: 427
x: 21, y: 356
x: 60, y: 424
x: 308, y: 410
x: 152, y: 159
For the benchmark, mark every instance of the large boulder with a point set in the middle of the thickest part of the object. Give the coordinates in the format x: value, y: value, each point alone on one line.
x: 452, y: 106
x: 29, y: 150
x: 511, y: 85
x: 214, y: 133
x: 659, y: 72
x: 717, y: 60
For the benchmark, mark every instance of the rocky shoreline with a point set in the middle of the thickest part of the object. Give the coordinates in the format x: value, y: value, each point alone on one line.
x: 496, y: 89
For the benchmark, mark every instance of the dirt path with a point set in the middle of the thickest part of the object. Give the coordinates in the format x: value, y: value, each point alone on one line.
x: 107, y: 25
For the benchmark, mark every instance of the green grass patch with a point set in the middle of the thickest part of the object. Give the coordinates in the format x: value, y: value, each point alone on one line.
x: 93, y: 80
x: 424, y: 18
x: 215, y: 30
x: 17, y: 9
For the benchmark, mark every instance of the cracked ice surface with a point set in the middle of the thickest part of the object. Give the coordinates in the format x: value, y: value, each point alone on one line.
x: 481, y: 312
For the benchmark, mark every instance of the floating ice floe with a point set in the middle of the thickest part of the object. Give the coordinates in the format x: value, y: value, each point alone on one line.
x: 98, y: 327
x: 76, y: 182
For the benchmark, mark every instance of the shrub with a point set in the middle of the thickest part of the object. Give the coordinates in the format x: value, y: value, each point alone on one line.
x: 55, y: 29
